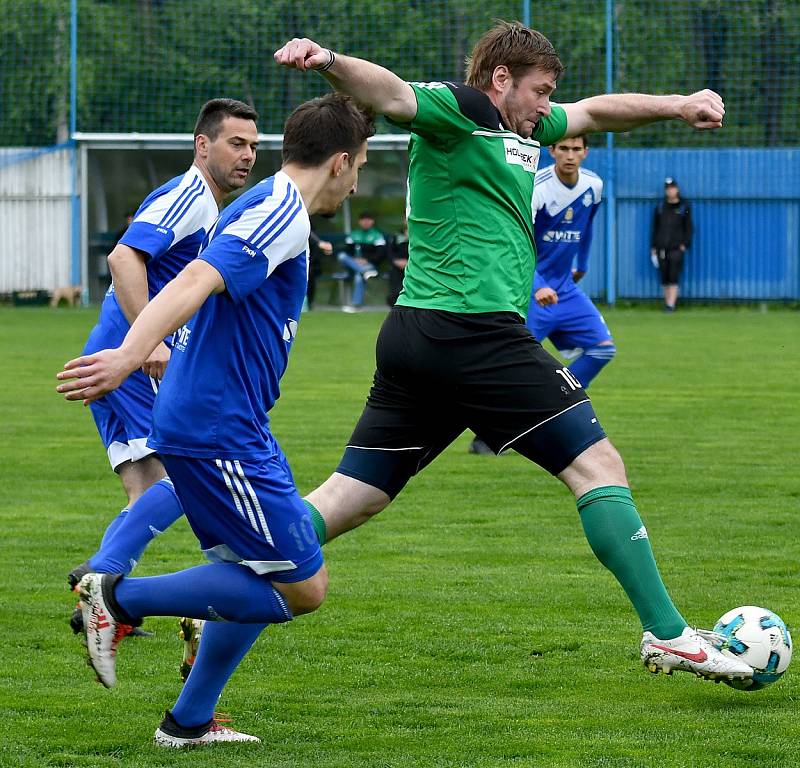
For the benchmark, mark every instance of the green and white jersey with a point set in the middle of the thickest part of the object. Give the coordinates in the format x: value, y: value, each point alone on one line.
x: 470, y: 218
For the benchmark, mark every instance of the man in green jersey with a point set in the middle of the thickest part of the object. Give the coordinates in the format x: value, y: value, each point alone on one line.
x: 454, y: 353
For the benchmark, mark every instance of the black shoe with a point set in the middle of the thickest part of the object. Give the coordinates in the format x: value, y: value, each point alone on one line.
x: 76, y: 620
x: 479, y: 447
x: 77, y: 573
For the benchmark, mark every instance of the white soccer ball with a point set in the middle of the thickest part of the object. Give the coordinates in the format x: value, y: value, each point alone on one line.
x: 759, y: 638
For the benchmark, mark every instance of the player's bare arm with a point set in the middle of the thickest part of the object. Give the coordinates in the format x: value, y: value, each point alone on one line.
x: 624, y: 111
x: 90, y: 377
x: 369, y: 84
x: 129, y: 272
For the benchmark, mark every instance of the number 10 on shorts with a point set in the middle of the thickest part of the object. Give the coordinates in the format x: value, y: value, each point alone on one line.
x: 569, y: 377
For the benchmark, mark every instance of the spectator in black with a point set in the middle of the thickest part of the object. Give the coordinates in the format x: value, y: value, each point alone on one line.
x: 398, y: 258
x: 128, y: 219
x: 317, y: 249
x: 672, y: 235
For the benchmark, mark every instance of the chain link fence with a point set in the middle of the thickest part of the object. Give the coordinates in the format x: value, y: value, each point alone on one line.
x: 147, y: 65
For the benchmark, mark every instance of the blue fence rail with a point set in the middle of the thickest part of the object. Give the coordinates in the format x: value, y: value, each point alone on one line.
x: 746, y: 211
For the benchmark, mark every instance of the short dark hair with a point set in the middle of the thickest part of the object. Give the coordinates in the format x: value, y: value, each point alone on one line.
x: 366, y: 215
x: 213, y: 112
x: 322, y: 127
x: 582, y: 136
x: 517, y: 47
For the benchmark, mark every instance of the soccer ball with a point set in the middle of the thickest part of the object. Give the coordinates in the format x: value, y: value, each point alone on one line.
x: 759, y: 638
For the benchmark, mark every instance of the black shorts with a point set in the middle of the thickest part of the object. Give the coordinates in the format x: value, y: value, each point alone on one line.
x: 439, y: 373
x: 670, y: 265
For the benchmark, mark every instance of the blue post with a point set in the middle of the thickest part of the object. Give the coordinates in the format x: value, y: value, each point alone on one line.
x: 526, y: 12
x: 75, y: 244
x: 611, y: 200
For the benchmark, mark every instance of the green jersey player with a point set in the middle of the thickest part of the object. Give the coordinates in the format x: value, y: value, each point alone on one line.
x: 455, y: 353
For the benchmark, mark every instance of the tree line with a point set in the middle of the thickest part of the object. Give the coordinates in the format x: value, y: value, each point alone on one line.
x: 147, y: 65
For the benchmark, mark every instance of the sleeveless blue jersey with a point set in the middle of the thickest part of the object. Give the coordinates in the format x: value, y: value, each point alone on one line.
x: 227, y: 361
x: 169, y: 229
x: 563, y: 227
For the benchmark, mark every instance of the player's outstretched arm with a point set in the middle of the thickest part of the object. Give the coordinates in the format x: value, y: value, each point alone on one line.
x: 369, y: 84
x: 90, y: 377
x: 624, y: 111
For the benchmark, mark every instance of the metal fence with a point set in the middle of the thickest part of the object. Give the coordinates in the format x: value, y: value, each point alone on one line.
x: 145, y: 65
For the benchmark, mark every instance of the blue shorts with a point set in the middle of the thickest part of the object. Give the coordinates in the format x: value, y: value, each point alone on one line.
x: 248, y: 511
x: 123, y: 417
x: 572, y: 325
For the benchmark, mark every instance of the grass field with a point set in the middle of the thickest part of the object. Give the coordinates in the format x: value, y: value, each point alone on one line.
x: 469, y: 624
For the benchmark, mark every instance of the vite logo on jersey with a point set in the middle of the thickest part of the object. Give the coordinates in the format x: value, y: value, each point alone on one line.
x: 182, y: 338
x: 521, y: 154
x: 249, y: 251
x: 562, y: 236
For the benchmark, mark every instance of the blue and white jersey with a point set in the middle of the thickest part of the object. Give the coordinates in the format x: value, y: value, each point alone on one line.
x: 169, y: 229
x: 228, y: 360
x: 563, y: 227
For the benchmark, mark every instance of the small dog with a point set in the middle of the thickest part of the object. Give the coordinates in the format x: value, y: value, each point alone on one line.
x: 70, y: 294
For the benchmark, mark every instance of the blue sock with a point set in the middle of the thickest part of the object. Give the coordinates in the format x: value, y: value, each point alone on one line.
x: 218, y: 591
x: 591, y: 362
x: 154, y: 511
x: 112, y: 527
x: 222, y: 646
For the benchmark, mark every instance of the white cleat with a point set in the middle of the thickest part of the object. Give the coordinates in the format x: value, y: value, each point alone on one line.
x: 103, y: 632
x: 170, y: 734
x: 692, y: 651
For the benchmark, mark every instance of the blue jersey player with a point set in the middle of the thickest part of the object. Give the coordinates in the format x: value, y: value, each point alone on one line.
x: 565, y: 200
x: 165, y: 234
x: 235, y: 311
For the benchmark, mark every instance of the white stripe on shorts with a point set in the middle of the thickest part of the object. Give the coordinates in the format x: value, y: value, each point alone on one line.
x: 256, y: 504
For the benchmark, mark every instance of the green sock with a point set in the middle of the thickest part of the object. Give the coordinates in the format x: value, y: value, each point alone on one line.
x: 619, y: 540
x: 317, y: 521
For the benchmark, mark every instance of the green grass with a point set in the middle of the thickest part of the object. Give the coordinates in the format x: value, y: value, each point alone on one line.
x: 469, y: 624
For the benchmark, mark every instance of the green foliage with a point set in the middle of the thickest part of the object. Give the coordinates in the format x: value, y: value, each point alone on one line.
x: 468, y: 625
x: 148, y: 65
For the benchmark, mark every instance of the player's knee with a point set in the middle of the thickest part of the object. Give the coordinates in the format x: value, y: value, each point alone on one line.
x: 603, y: 353
x: 599, y: 465
x: 306, y: 596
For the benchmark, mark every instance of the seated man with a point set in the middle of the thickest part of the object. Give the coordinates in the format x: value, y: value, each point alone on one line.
x: 364, y: 249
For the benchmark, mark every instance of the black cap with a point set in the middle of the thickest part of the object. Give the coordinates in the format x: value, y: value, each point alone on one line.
x: 670, y: 182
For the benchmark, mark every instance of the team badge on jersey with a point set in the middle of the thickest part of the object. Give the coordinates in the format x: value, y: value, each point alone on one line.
x: 568, y: 216
x: 588, y: 198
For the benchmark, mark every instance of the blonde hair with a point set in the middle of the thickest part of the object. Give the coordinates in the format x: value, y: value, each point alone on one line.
x: 514, y: 45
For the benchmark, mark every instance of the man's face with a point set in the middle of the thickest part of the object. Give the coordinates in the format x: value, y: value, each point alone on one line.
x: 672, y: 193
x: 231, y: 155
x: 366, y: 222
x: 345, y: 184
x: 525, y: 100
x: 569, y: 154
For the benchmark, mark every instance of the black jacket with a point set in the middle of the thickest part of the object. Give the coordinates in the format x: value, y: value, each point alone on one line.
x: 672, y: 225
